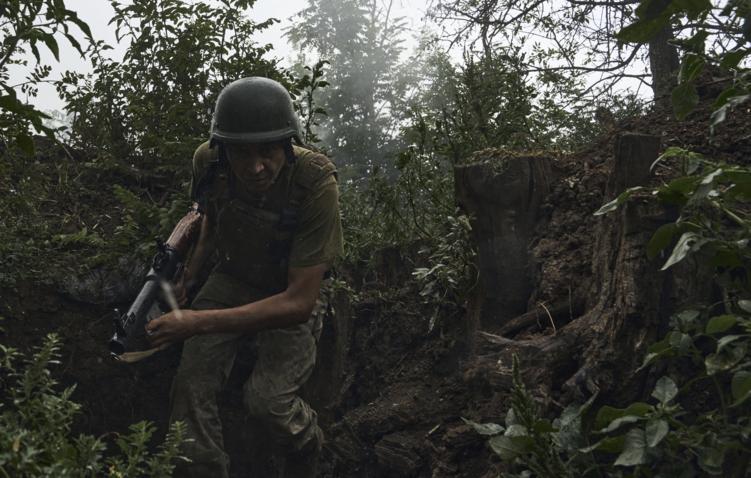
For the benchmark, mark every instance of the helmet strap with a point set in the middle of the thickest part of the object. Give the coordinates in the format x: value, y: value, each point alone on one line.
x: 223, y: 165
x: 289, y: 151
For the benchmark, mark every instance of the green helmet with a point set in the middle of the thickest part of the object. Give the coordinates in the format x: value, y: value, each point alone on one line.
x: 254, y: 110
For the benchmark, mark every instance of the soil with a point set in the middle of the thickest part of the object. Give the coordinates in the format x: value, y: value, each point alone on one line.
x: 406, y: 390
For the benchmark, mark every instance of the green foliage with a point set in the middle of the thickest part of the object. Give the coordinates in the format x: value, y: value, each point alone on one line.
x: 306, y: 88
x: 492, y: 101
x: 26, y: 26
x: 713, y: 198
x: 379, y: 212
x: 36, y: 421
x: 699, y: 429
x: 452, y: 272
x: 63, y: 217
x: 529, y: 435
x: 728, y: 53
x: 154, y: 107
x: 141, y: 220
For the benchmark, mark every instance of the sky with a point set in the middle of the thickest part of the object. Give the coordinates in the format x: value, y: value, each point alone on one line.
x: 98, y: 12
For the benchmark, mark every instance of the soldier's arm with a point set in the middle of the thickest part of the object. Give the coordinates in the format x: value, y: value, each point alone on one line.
x: 291, y: 307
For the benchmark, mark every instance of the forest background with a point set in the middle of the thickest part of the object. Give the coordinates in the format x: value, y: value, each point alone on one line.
x: 513, y: 76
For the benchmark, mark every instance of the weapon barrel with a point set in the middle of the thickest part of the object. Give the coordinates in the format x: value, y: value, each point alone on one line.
x: 127, y: 324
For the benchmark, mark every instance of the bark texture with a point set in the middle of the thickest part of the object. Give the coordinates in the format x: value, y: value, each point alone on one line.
x: 502, y: 194
x: 664, y: 64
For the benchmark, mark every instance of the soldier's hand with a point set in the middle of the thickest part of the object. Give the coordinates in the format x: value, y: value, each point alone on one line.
x: 175, y: 326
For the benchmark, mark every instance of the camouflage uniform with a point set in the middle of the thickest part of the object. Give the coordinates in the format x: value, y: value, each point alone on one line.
x: 250, y: 235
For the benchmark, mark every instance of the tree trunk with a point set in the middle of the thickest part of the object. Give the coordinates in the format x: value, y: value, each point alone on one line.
x: 502, y: 194
x: 664, y: 64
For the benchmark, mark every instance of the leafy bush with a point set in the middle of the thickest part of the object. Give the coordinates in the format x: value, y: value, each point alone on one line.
x: 152, y: 108
x: 691, y: 431
x: 26, y: 26
x: 451, y: 271
x: 722, y: 47
x: 36, y: 421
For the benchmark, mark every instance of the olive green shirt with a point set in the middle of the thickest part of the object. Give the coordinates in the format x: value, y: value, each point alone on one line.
x: 245, y: 272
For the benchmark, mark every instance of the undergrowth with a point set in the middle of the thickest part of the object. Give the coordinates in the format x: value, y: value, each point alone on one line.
x: 36, y: 420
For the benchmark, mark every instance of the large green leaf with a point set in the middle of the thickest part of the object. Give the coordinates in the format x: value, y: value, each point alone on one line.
x: 719, y: 115
x: 745, y: 305
x: 607, y: 414
x: 721, y: 323
x: 685, y: 98
x: 543, y: 426
x: 686, y: 320
x: 613, y: 205
x: 726, y: 340
x: 656, y: 350
x: 740, y: 386
x: 711, y: 458
x: 51, y: 43
x: 665, y: 390
x: 634, y: 449
x: 619, y: 422
x: 680, y: 342
x: 655, y: 431
x: 569, y: 435
x: 10, y: 103
x: 731, y: 59
x: 691, y: 68
x: 688, y: 242
x: 509, y: 447
x: 661, y: 239
x: 607, y: 444
x: 678, y: 190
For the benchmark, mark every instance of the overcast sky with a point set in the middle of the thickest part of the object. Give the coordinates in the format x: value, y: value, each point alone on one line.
x: 98, y: 12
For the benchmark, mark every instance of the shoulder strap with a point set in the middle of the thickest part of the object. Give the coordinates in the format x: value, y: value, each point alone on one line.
x: 309, y: 170
x: 214, y: 168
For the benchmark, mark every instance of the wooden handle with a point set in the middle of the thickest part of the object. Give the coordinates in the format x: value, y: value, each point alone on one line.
x: 186, y: 231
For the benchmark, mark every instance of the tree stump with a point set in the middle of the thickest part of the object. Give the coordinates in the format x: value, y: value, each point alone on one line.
x: 627, y: 300
x: 502, y: 194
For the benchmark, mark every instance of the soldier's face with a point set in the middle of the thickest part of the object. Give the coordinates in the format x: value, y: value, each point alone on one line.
x: 257, y: 165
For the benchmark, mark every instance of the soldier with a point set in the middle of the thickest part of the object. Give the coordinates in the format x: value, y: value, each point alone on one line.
x: 272, y: 223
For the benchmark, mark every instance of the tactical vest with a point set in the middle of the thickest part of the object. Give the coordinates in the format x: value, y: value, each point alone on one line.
x: 255, y: 231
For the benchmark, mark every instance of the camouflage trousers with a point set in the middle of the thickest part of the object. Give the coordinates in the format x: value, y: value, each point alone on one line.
x: 285, y: 360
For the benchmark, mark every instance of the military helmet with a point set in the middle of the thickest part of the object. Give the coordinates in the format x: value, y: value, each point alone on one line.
x: 254, y: 110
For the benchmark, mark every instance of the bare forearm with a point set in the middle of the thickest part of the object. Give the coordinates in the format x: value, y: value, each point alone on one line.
x: 277, y: 311
x: 293, y: 306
